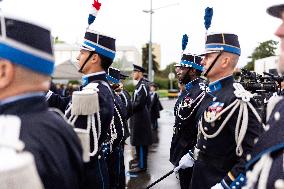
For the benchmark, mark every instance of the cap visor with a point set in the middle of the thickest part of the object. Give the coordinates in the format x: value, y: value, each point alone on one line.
x: 209, y: 52
x: 82, y: 47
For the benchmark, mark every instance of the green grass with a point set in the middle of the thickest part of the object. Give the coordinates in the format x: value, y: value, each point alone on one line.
x: 163, y: 93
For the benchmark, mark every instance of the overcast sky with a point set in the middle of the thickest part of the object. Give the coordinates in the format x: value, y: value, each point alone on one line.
x: 124, y: 20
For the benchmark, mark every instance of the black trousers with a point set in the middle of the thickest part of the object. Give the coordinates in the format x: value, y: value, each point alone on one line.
x: 116, y: 168
x: 142, y: 154
x: 185, y: 177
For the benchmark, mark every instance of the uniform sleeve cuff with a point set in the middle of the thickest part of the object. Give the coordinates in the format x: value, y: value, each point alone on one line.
x: 235, y: 183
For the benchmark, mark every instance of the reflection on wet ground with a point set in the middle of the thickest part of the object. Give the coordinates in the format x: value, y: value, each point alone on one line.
x: 158, y: 159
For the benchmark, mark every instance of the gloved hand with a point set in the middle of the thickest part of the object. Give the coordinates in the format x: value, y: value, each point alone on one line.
x: 217, y: 186
x: 185, y: 162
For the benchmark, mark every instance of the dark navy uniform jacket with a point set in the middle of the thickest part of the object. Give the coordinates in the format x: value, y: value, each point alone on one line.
x: 119, y: 121
x: 126, y: 105
x: 271, y: 142
x: 217, y: 160
x: 140, y: 124
x: 185, y: 131
x: 96, y: 169
x: 53, y: 143
x: 106, y: 104
x: 126, y: 100
x: 155, y: 107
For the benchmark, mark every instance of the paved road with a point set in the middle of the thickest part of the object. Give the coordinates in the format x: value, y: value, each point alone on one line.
x: 158, y: 159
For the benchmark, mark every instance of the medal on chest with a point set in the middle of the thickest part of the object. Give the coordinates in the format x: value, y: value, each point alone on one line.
x: 187, y: 102
x: 214, y: 110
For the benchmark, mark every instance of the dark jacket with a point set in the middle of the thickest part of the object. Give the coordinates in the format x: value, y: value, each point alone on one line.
x: 140, y: 125
x: 185, y: 130
x: 271, y: 142
x: 155, y: 106
x: 217, y: 160
x: 126, y: 100
x: 53, y: 143
x: 106, y: 104
x: 127, y: 106
x: 96, y: 169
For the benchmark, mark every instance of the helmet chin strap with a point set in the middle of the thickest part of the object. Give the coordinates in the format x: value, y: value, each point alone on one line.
x: 213, y: 63
x: 82, y: 67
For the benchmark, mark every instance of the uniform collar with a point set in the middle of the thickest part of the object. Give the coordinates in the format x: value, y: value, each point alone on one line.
x: 140, y: 81
x: 20, y: 97
x: 86, y: 79
x: 219, y: 84
x: 18, y: 104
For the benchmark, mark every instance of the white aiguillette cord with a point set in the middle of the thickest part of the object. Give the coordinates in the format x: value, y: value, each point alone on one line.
x: 242, y: 101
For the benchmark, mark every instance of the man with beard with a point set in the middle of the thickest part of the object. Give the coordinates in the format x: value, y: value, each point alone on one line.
x: 185, y: 130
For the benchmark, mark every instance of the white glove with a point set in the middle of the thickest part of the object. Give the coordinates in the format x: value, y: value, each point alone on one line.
x: 185, y: 162
x: 217, y: 186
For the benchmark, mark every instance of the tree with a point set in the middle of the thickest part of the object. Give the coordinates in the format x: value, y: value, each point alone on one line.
x: 165, y: 72
x: 264, y: 49
x: 145, y: 59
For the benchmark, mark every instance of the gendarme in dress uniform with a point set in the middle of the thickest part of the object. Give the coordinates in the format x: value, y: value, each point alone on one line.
x: 185, y: 129
x: 228, y: 123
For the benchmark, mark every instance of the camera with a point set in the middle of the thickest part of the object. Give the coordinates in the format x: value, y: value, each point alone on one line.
x: 261, y: 86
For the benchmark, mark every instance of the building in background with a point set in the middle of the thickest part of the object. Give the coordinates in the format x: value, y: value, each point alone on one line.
x: 126, y: 56
x: 269, y: 64
x: 157, y: 52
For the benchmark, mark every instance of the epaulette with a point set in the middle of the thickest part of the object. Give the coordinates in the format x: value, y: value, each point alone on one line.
x: 86, y: 102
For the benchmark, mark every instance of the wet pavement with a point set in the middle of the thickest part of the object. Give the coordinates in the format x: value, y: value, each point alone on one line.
x: 158, y: 158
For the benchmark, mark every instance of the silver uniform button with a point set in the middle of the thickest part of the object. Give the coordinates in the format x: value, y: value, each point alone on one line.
x: 248, y: 157
x: 99, y: 157
x: 277, y: 116
x: 255, y: 140
x: 205, y: 138
x: 204, y: 147
x: 279, y: 184
x: 205, y: 128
